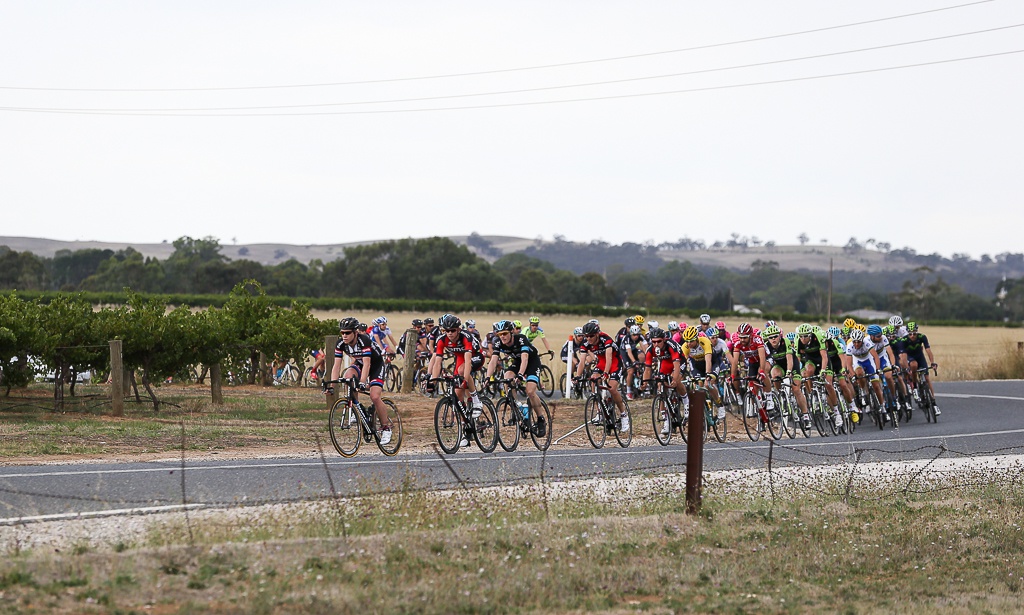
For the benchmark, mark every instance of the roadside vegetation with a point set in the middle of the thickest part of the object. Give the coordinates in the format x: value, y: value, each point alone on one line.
x: 624, y: 547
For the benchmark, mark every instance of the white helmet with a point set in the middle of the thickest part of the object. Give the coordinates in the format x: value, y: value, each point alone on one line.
x: 673, y: 325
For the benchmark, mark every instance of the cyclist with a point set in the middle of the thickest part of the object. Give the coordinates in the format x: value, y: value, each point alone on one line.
x: 380, y: 334
x: 577, y: 340
x: 465, y: 348
x: 747, y: 350
x: 367, y: 367
x: 836, y: 367
x: 704, y: 324
x: 517, y: 326
x: 864, y: 359
x: 667, y: 357
x: 631, y: 352
x: 672, y: 331
x: 699, y: 352
x: 624, y: 331
x: 600, y: 347
x: 535, y: 333
x: 886, y: 362
x: 524, y: 363
x: 781, y: 354
x: 319, y: 358
x: 913, y: 349
x: 812, y: 347
x: 723, y: 334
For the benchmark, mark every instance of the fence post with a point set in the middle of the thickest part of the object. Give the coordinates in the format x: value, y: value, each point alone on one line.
x: 330, y: 343
x: 695, y: 451
x: 412, y: 338
x: 216, y: 394
x: 116, y: 379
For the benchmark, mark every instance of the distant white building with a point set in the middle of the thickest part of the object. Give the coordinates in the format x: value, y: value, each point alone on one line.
x: 869, y: 315
x: 742, y: 309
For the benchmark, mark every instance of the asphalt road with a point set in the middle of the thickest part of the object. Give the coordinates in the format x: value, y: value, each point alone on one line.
x: 978, y: 418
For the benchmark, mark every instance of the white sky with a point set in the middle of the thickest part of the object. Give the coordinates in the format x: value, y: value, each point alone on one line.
x: 928, y: 157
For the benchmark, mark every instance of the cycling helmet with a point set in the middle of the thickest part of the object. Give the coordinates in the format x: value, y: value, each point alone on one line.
x: 577, y: 331
x: 874, y: 330
x: 639, y: 319
x: 683, y: 326
x: 348, y: 324
x: 856, y: 335
x: 362, y: 327
x: 673, y: 325
x: 416, y: 322
x: 634, y: 330
x: 771, y: 331
x: 896, y: 322
x: 888, y: 330
x: 690, y: 334
x: 756, y: 331
x: 833, y: 332
x: 428, y: 320
x: 594, y: 320
x: 769, y: 323
x: 818, y: 330
x: 591, y: 328
x: 712, y: 331
x: 380, y: 320
x: 471, y: 324
x: 534, y: 320
x: 629, y: 322
x: 705, y: 319
x: 653, y: 325
x: 504, y: 325
x: 804, y: 329
x: 449, y: 321
x: 735, y: 337
x: 912, y: 327
x: 846, y: 332
x: 657, y: 333
x: 518, y: 324
x: 791, y: 337
x: 720, y: 325
x: 745, y: 330
x: 849, y: 322
x: 862, y: 328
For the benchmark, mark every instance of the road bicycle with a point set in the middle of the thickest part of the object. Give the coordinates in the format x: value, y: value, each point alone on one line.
x: 868, y: 402
x: 666, y: 405
x: 924, y: 393
x: 287, y: 375
x: 755, y: 408
x: 547, y: 377
x: 313, y: 379
x: 392, y: 374
x: 817, y: 406
x: 784, y: 415
x: 516, y: 418
x: 718, y: 426
x: 576, y: 386
x: 601, y: 417
x: 350, y: 422
x: 454, y: 420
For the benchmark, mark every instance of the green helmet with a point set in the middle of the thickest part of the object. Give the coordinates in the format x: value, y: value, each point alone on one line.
x: 769, y: 331
x: 804, y: 329
x: 911, y: 326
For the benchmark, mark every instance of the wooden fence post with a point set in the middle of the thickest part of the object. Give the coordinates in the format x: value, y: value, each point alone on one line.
x: 330, y: 343
x: 116, y: 379
x: 695, y: 452
x: 412, y: 338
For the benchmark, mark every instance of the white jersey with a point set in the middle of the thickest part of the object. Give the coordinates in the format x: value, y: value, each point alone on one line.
x: 862, y: 354
x: 878, y: 346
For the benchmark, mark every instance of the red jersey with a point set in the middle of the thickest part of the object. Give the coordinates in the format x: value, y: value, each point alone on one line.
x: 749, y: 350
x: 462, y: 344
x: 665, y: 355
x: 603, y: 343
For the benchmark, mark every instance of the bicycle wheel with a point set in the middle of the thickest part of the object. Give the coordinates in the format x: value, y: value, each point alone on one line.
x: 876, y: 409
x: 594, y: 420
x: 391, y: 448
x: 485, y: 427
x: 786, y: 416
x: 751, y: 418
x: 624, y: 436
x: 392, y: 379
x: 345, y: 434
x: 509, y: 415
x: 422, y: 377
x: 775, y: 416
x: 540, y: 425
x: 307, y: 380
x: 547, y: 381
x: 661, y: 419
x: 719, y: 424
x: 447, y: 425
x: 929, y: 411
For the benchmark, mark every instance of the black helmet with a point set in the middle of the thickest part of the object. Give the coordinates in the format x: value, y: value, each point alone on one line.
x: 504, y: 325
x: 348, y: 324
x: 630, y: 321
x: 362, y: 327
x: 657, y: 333
x: 591, y: 328
x: 428, y: 320
x: 449, y: 321
x: 416, y: 322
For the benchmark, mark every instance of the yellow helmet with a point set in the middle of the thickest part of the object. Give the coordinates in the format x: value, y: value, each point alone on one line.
x: 689, y: 334
x: 639, y: 319
x: 849, y: 323
x: 861, y: 328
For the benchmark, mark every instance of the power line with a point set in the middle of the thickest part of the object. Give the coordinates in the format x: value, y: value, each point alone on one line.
x: 509, y: 70
x: 534, y: 103
x: 529, y: 90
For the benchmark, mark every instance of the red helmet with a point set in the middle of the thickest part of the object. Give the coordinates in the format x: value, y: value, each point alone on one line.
x: 745, y: 329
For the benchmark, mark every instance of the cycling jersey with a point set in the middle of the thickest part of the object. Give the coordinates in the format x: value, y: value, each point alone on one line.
x: 880, y: 346
x: 666, y: 355
x: 777, y: 354
x: 517, y: 345
x: 532, y: 335
x: 628, y: 345
x: 360, y: 348
x: 463, y: 343
x: 380, y: 336
x: 862, y: 356
x: 603, y: 343
x: 811, y: 350
x: 914, y: 349
x: 749, y: 350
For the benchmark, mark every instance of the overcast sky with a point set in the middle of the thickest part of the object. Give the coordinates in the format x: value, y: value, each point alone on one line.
x: 928, y: 157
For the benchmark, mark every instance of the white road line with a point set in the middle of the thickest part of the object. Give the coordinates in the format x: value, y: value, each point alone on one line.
x: 966, y: 396
x: 147, y: 510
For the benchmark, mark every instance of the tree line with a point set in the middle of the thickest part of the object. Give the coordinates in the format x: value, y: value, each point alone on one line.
x: 438, y: 269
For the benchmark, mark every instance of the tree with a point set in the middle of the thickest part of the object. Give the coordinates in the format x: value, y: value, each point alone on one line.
x: 19, y: 336
x: 534, y: 286
x: 803, y: 238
